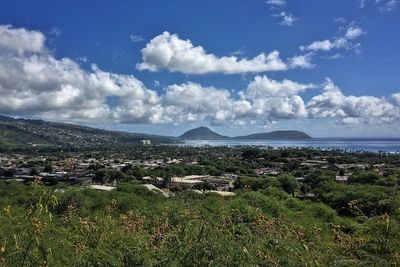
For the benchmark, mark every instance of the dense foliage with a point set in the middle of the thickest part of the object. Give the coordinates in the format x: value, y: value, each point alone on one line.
x: 133, y: 226
x: 299, y: 217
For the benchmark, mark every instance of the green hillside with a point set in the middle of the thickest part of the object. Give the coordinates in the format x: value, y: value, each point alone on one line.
x: 24, y: 133
x: 132, y: 226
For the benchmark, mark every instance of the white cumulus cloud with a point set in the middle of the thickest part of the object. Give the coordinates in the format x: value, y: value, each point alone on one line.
x: 34, y: 82
x: 366, y: 109
x: 21, y: 40
x: 343, y: 42
x: 168, y: 51
x: 262, y: 87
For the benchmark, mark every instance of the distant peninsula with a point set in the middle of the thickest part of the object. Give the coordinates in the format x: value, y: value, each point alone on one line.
x: 204, y: 133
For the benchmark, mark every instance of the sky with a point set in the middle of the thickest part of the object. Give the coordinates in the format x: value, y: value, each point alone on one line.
x: 329, y: 68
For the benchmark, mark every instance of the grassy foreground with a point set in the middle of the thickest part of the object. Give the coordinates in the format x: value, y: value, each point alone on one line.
x: 131, y: 226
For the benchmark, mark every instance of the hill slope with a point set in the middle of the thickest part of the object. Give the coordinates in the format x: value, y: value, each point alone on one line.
x: 24, y: 132
x: 202, y: 133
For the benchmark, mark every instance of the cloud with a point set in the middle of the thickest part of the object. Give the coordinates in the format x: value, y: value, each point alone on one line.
x: 361, y: 109
x: 353, y: 32
x: 340, y: 20
x: 334, y: 56
x: 343, y: 42
x: 136, y: 38
x: 302, y: 61
x: 55, y: 31
x: 34, y: 82
x: 325, y: 45
x: 390, y: 5
x: 263, y: 87
x: 362, y: 3
x: 287, y: 18
x: 396, y: 99
x: 276, y: 2
x: 278, y: 108
x: 193, y: 102
x: 382, y: 5
x: 264, y: 100
x: 168, y: 51
x: 20, y: 40
x: 279, y: 5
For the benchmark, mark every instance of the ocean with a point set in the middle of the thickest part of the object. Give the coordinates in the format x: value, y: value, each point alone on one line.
x: 389, y: 145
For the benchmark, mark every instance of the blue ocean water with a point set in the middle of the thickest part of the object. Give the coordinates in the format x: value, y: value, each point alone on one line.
x: 391, y: 145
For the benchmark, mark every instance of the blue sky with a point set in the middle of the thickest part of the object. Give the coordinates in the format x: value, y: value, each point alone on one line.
x: 345, y: 82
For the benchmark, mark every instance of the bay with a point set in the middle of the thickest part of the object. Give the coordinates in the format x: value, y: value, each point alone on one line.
x: 389, y: 145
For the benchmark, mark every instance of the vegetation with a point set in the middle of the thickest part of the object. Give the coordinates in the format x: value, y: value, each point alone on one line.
x: 299, y: 216
x: 24, y: 133
x: 133, y: 226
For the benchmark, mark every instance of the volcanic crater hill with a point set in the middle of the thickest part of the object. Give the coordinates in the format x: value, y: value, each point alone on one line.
x: 202, y: 133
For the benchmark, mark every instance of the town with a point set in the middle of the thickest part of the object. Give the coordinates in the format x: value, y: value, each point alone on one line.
x: 169, y: 169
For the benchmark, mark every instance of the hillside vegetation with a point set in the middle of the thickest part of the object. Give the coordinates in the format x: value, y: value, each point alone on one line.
x: 135, y: 227
x: 27, y: 133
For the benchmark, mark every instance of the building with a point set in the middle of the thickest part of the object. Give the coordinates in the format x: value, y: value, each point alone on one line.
x: 342, y: 179
x: 145, y: 142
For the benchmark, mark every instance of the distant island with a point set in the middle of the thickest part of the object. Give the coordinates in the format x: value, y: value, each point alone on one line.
x: 204, y: 133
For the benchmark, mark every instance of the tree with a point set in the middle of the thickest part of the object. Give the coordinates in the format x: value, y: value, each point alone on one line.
x: 114, y: 175
x: 316, y: 178
x: 33, y: 172
x: 167, y: 179
x: 100, y: 176
x: 365, y: 178
x: 48, y: 168
x: 288, y: 183
x: 204, y: 186
x: 138, y: 172
x: 9, y: 173
x: 285, y: 153
x: 250, y: 153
